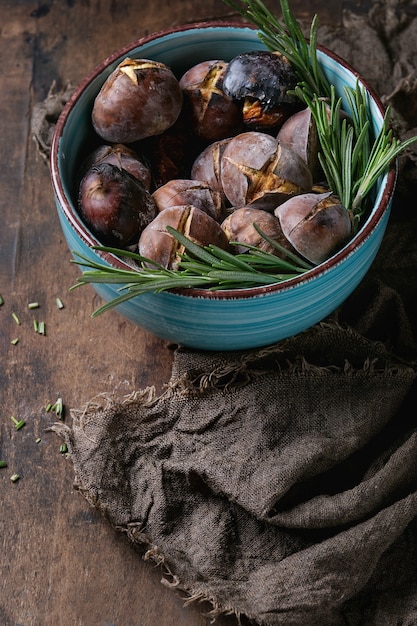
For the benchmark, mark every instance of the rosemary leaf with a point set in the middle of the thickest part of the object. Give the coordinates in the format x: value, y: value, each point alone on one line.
x: 207, y: 267
x: 384, y: 151
x: 242, y: 278
x: 236, y: 261
x: 136, y: 290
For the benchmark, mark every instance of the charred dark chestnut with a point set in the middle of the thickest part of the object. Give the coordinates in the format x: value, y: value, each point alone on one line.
x: 114, y: 205
x: 212, y: 114
x: 125, y: 158
x: 262, y: 80
x: 257, y: 170
x: 317, y: 225
x: 158, y: 245
x: 239, y: 227
x: 139, y: 99
x: 189, y: 192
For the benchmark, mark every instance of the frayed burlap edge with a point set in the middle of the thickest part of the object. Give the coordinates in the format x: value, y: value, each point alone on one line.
x: 230, y: 370
x: 223, y: 375
x: 152, y: 553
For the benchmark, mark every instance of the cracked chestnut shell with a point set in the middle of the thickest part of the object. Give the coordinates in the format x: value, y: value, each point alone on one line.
x: 139, y: 99
x: 125, y: 158
x: 211, y: 113
x: 299, y: 133
x: 192, y: 192
x: 261, y: 80
x: 114, y: 205
x: 239, y: 227
x: 158, y: 245
x: 257, y: 170
x: 207, y: 166
x: 317, y: 225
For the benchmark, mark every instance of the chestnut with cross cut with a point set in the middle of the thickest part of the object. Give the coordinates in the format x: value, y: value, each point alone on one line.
x: 207, y: 166
x: 317, y: 225
x: 239, y: 228
x: 198, y: 193
x: 141, y: 98
x: 257, y: 170
x: 299, y: 133
x: 159, y: 246
x: 123, y: 157
x: 212, y: 114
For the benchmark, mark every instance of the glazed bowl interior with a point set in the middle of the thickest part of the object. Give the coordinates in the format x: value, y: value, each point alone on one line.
x: 228, y: 319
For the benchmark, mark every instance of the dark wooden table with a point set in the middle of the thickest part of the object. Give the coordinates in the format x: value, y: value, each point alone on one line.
x: 61, y: 563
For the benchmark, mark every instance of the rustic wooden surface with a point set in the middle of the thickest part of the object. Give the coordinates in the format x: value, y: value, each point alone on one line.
x: 61, y: 563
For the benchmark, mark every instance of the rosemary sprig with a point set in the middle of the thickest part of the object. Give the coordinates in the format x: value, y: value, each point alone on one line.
x: 385, y: 150
x: 352, y: 162
x: 207, y: 267
x: 344, y: 143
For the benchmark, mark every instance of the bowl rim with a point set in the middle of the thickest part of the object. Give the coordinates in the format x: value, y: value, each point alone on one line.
x: 249, y: 292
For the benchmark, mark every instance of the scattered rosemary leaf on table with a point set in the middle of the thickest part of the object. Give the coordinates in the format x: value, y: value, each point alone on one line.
x: 39, y: 327
x: 57, y: 407
x: 18, y: 423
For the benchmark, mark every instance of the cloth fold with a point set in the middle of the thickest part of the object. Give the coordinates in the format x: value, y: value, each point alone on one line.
x: 271, y: 482
x: 280, y: 483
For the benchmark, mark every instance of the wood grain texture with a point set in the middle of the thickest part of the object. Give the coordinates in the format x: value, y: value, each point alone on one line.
x: 61, y: 564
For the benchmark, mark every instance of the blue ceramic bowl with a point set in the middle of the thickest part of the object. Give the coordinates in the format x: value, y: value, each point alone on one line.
x: 219, y: 320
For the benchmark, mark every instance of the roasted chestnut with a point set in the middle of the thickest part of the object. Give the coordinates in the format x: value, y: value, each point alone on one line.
x: 122, y: 156
x: 317, y: 225
x: 257, y: 170
x: 159, y: 246
x: 299, y: 133
x: 207, y: 166
x: 211, y: 113
x: 139, y: 99
x: 115, y: 205
x: 239, y: 227
x: 171, y: 154
x: 189, y: 192
x: 262, y: 81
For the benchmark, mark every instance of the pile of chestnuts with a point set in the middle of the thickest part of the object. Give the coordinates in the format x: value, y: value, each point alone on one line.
x: 211, y: 153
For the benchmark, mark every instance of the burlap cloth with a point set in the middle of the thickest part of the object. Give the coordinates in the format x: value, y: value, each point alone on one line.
x: 281, y: 483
